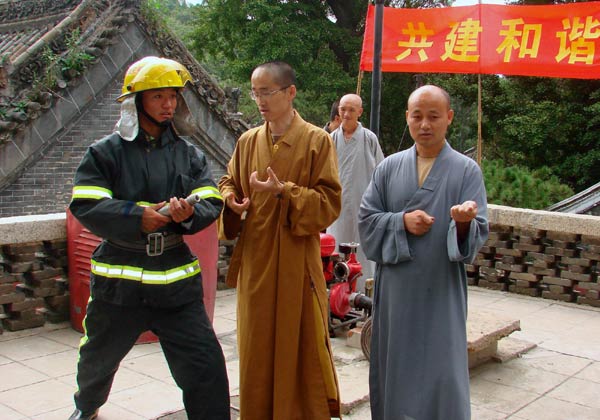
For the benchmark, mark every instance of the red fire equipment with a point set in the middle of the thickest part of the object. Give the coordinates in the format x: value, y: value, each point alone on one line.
x: 347, y: 306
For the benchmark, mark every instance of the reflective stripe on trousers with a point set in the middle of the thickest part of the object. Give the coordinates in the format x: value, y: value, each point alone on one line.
x: 127, y: 272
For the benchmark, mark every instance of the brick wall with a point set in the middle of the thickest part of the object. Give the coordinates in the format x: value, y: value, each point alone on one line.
x: 33, y: 284
x: 554, y: 265
x: 46, y: 186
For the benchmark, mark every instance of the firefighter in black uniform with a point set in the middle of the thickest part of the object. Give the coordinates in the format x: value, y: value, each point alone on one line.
x: 130, y: 190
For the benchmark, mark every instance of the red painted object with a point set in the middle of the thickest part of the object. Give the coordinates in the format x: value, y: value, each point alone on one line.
x: 81, y: 243
x: 327, y: 244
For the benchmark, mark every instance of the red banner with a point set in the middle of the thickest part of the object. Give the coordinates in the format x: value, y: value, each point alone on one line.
x: 552, y: 41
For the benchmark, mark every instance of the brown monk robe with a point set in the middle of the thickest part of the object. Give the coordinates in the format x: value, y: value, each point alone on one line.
x: 286, y: 365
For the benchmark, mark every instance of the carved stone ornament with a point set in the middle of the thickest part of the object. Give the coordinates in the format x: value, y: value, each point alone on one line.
x: 17, y: 10
x: 233, y: 98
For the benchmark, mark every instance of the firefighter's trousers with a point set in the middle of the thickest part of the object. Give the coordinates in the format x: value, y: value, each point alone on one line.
x: 189, y: 344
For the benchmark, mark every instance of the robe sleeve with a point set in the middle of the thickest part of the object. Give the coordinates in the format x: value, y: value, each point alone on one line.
x: 311, y: 209
x: 473, y: 189
x: 382, y: 234
x: 230, y: 223
x: 376, y: 149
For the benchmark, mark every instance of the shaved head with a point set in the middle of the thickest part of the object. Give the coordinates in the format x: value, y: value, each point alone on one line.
x: 432, y: 90
x: 428, y: 117
x: 283, y: 74
x: 350, y: 111
x: 353, y: 99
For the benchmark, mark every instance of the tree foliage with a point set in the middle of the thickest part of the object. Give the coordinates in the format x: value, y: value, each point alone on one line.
x: 550, y: 126
x: 533, y: 122
x: 234, y: 36
x: 321, y: 39
x: 518, y: 186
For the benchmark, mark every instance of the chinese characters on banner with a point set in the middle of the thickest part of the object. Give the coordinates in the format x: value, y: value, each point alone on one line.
x: 551, y: 41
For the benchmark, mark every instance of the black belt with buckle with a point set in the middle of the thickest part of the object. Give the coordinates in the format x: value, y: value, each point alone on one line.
x: 156, y: 243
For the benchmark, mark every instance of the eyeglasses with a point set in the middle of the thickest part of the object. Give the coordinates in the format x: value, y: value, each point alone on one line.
x: 267, y: 95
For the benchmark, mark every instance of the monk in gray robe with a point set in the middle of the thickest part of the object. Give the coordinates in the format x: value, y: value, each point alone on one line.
x: 358, y: 153
x: 422, y: 217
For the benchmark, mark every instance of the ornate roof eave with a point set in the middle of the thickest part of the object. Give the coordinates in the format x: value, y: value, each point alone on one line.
x: 23, y: 93
x: 20, y: 10
x: 99, y: 22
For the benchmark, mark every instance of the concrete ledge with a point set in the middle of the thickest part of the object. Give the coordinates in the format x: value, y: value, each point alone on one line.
x: 44, y: 227
x: 581, y: 224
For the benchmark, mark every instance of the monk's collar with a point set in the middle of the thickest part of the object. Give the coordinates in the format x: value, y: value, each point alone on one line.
x: 444, y: 146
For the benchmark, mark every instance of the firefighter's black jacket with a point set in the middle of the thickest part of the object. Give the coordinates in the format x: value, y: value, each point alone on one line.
x: 113, y: 181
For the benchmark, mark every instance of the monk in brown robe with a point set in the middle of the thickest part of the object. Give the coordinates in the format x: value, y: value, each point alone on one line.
x: 281, y: 189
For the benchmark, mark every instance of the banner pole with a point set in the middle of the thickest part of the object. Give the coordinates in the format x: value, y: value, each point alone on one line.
x: 376, y: 82
x: 479, y: 139
x: 479, y: 111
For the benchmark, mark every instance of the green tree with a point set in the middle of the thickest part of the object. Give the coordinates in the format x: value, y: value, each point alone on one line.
x: 538, y: 123
x: 553, y: 123
x: 321, y: 39
x: 177, y: 15
x: 518, y: 186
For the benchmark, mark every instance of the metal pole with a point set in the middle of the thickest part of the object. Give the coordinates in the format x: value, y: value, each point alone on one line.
x: 479, y: 137
x: 479, y: 108
x: 376, y: 81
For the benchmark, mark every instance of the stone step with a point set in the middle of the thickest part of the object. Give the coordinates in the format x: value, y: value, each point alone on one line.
x: 485, y: 330
x: 510, y: 348
x: 487, y: 339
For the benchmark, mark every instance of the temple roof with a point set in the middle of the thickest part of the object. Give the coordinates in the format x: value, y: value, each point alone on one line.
x: 45, y: 46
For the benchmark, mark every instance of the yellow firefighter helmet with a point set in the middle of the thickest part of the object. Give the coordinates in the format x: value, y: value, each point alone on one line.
x: 153, y: 73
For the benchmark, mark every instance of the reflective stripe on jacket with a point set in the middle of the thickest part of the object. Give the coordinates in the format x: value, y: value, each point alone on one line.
x: 115, y: 180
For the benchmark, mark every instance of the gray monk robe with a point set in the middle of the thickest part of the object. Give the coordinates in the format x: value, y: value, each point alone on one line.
x: 419, y: 367
x: 357, y: 159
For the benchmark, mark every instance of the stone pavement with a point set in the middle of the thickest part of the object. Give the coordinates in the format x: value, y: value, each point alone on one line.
x: 557, y: 380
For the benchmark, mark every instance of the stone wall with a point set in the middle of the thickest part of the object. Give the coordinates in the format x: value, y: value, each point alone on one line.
x: 539, y: 253
x: 536, y: 253
x: 33, y: 271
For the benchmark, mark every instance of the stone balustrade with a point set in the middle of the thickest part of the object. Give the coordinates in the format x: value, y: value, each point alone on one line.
x: 540, y: 253
x: 536, y: 253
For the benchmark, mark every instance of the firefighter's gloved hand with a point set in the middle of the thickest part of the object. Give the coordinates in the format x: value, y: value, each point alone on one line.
x: 180, y: 209
x: 152, y: 220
